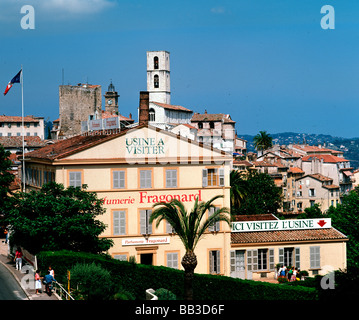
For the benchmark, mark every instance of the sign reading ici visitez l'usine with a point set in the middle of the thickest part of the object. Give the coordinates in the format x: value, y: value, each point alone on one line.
x: 279, y: 225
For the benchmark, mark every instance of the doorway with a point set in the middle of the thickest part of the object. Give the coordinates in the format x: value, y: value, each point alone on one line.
x: 146, y: 258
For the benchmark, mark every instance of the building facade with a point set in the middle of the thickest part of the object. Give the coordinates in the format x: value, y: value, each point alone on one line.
x: 11, y: 126
x: 131, y: 171
x: 261, y: 243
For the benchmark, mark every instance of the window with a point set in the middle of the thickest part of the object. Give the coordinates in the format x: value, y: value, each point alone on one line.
x: 211, y: 125
x: 200, y: 125
x: 212, y: 177
x: 155, y: 63
x: 215, y: 227
x: 214, y: 262
x: 156, y: 81
x: 311, y: 192
x: 121, y: 257
x: 262, y: 259
x: 171, y: 178
x: 172, y: 260
x: 118, y: 179
x: 169, y: 228
x: 145, y: 178
x: 315, y: 257
x: 75, y: 179
x: 119, y: 222
x: 152, y: 116
x: 145, y: 225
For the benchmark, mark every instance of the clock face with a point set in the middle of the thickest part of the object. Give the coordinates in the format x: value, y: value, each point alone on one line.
x: 109, y: 102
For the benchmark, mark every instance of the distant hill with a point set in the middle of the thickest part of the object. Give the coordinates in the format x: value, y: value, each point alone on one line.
x: 350, y: 147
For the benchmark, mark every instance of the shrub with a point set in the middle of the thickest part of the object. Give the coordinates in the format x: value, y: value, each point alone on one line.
x: 164, y: 294
x: 92, y: 280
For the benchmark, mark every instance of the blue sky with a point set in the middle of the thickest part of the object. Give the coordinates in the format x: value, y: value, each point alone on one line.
x: 269, y: 64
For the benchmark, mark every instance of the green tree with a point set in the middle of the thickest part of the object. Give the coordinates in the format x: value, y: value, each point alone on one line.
x: 6, y: 178
x: 311, y: 212
x: 263, y: 141
x: 54, y: 218
x: 238, y: 190
x: 345, y: 218
x: 262, y: 196
x: 190, y: 227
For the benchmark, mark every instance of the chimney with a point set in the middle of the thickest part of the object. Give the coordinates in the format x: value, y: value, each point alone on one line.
x: 144, y: 108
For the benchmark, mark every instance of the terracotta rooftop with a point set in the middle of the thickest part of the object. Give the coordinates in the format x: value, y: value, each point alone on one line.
x: 65, y: 147
x: 172, y: 107
x: 255, y: 217
x: 226, y: 118
x: 286, y: 236
x: 107, y: 114
x: 295, y: 170
x: 4, y: 118
x: 16, y: 141
x: 328, y: 158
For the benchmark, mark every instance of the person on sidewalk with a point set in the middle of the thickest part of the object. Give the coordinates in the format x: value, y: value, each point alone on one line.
x: 49, y: 279
x: 38, y: 285
x: 18, y: 259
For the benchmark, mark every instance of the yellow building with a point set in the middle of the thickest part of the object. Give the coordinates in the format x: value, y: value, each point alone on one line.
x: 133, y: 169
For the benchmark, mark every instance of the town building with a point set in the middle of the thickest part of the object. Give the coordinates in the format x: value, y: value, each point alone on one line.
x: 77, y: 104
x: 217, y: 130
x: 261, y: 243
x: 315, y: 189
x: 133, y: 169
x: 11, y: 126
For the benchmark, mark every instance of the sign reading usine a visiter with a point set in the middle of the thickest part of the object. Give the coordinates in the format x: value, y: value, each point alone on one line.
x: 276, y: 225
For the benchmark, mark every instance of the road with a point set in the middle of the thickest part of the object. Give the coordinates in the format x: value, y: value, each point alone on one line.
x: 9, y: 287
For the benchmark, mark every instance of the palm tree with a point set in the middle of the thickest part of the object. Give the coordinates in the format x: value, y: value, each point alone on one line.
x: 238, y: 190
x: 262, y: 141
x: 190, y: 229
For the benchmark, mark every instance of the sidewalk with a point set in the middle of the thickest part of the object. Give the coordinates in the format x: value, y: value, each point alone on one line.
x: 18, y: 275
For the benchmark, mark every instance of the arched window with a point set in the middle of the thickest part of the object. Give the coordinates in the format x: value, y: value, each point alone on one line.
x: 152, y: 116
x: 156, y: 81
x: 155, y: 62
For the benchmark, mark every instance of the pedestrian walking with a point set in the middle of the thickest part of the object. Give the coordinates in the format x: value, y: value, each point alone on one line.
x: 52, y: 272
x: 6, y: 231
x: 18, y: 259
x: 38, y: 285
x: 48, y: 279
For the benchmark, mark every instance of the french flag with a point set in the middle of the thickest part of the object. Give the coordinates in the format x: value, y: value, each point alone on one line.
x: 16, y: 79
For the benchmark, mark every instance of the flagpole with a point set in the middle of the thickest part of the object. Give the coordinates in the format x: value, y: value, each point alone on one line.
x: 23, y: 129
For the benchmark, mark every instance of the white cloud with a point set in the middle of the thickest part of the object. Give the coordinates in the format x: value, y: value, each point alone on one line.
x: 75, y: 6
x: 218, y: 10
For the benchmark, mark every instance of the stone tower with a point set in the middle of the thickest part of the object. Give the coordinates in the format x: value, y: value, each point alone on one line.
x: 111, y: 99
x: 76, y: 104
x: 158, y: 76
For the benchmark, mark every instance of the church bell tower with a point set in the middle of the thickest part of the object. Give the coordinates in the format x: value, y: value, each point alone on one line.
x: 158, y: 76
x: 111, y: 99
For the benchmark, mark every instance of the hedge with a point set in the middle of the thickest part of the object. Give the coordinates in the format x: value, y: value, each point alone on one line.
x: 136, y: 278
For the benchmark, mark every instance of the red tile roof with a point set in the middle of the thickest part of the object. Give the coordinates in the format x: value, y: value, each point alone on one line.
x: 212, y: 117
x: 66, y: 147
x: 4, y: 118
x: 172, y: 107
x: 295, y: 170
x: 16, y: 141
x: 286, y: 236
x: 328, y: 158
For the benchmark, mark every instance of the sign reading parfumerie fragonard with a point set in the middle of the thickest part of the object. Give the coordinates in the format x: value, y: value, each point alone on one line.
x: 280, y: 225
x: 145, y: 146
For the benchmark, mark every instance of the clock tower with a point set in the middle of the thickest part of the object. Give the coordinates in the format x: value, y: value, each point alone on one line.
x: 111, y: 99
